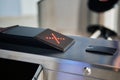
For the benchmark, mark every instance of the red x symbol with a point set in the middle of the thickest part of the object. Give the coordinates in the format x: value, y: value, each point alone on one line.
x: 55, y: 38
x: 103, y: 0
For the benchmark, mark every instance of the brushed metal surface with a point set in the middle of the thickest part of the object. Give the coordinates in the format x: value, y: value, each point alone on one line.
x: 73, y: 61
x: 97, y: 74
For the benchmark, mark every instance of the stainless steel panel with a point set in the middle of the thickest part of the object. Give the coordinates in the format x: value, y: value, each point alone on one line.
x: 65, y: 66
x: 39, y: 73
x: 74, y: 16
x: 52, y: 75
x: 74, y: 61
x: 96, y: 74
x: 54, y: 14
x: 47, y: 74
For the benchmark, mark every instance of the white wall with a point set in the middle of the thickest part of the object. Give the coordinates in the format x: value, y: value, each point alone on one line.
x: 10, y: 8
x: 18, y: 7
x: 29, y: 7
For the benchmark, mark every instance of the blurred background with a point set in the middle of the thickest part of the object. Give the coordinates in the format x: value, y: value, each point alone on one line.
x: 18, y: 12
x: 65, y: 16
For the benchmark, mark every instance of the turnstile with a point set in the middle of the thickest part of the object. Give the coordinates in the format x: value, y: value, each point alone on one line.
x: 74, y: 64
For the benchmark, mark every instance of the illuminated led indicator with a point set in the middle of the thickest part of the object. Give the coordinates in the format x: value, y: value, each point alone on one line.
x: 53, y: 37
x: 103, y: 0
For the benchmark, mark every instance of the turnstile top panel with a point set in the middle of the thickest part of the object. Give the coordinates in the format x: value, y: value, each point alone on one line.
x: 75, y: 53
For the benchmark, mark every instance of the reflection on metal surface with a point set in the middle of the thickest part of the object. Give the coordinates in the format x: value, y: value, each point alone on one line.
x: 39, y: 74
x: 56, y: 75
x: 117, y: 64
x: 96, y: 34
x: 87, y: 70
x: 72, y: 66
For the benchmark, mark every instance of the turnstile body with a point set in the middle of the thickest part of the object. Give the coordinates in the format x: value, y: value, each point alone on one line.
x: 74, y: 64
